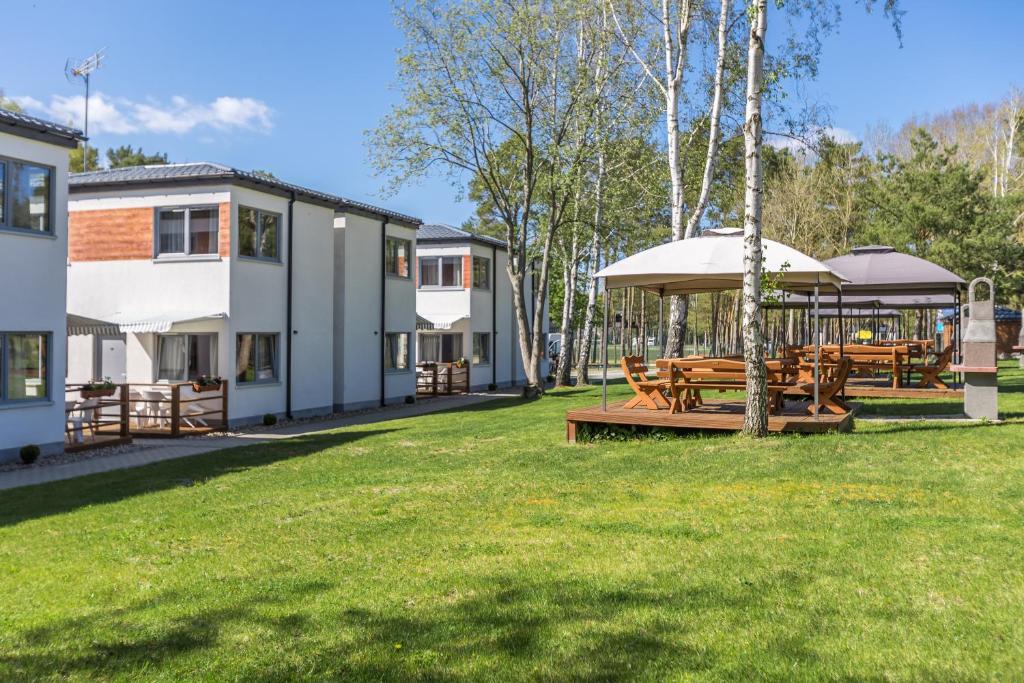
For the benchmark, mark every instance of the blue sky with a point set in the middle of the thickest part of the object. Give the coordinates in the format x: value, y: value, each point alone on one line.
x: 291, y: 87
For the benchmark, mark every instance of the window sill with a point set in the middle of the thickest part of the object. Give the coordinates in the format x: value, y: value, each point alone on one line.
x: 187, y: 258
x: 398, y: 372
x: 401, y: 278
x: 27, y: 232
x: 442, y: 288
x: 257, y: 259
x: 35, y: 403
x: 258, y: 384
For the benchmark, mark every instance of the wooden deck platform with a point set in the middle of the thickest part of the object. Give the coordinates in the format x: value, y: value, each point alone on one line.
x: 718, y: 415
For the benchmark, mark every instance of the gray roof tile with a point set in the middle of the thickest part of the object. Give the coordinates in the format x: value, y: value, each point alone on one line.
x: 204, y: 170
x: 437, y: 232
x: 18, y: 123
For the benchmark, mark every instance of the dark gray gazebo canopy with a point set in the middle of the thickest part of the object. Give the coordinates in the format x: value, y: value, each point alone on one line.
x: 884, y: 272
x: 867, y: 302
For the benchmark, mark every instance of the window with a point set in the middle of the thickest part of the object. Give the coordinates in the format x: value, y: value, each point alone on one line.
x: 396, y: 256
x: 440, y: 348
x: 481, y: 348
x: 396, y: 351
x: 26, y: 196
x: 440, y: 271
x: 258, y: 233
x: 256, y: 359
x: 187, y: 231
x: 184, y: 357
x: 481, y: 272
x: 24, y: 361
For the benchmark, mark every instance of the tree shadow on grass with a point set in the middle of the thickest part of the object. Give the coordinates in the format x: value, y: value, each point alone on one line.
x: 32, y: 502
x: 506, y: 627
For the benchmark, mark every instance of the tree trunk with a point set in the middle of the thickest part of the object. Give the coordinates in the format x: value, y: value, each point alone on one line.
x: 587, y: 338
x: 755, y: 420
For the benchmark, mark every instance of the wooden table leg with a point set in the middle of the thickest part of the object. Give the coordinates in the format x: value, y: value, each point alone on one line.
x: 570, y: 431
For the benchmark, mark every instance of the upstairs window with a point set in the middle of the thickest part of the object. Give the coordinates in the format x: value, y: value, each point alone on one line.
x: 481, y: 272
x: 258, y: 233
x: 440, y: 271
x: 396, y: 256
x: 188, y: 231
x: 26, y: 196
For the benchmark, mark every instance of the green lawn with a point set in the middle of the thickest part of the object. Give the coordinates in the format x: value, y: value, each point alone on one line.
x: 477, y: 545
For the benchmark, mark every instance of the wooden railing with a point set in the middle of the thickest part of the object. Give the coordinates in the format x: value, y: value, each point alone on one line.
x: 176, y: 409
x: 441, y: 379
x: 96, y: 418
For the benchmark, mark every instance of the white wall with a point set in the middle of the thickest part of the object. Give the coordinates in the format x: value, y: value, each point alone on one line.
x: 357, y: 290
x: 477, y: 304
x: 251, y: 294
x: 33, y: 280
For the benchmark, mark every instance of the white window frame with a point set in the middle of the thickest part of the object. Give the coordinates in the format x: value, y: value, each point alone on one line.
x: 440, y: 272
x: 157, y: 254
x: 215, y: 358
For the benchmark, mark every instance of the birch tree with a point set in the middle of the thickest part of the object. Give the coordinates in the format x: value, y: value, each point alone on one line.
x: 670, y: 36
x: 492, y: 92
x: 755, y: 419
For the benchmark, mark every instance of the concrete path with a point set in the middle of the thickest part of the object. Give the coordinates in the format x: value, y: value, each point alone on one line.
x: 146, y: 451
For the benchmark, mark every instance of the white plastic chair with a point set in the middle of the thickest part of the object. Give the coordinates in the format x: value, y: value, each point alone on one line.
x: 73, y: 421
x: 81, y: 415
x: 191, y: 410
x: 158, y: 407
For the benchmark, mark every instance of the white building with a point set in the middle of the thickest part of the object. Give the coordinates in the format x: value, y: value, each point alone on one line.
x: 33, y: 250
x: 200, y: 267
x: 464, y: 298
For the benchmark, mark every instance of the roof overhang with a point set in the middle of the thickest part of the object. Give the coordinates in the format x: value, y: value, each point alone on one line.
x: 438, y: 321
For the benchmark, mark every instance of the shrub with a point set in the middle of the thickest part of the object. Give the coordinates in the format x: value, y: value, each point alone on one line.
x: 270, y: 420
x: 30, y: 453
x: 492, y: 387
x: 410, y: 399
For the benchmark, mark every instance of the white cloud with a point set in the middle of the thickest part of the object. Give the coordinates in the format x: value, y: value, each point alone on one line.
x: 840, y: 135
x: 123, y: 116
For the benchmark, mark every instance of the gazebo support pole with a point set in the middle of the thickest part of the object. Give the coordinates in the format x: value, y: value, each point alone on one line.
x: 817, y: 352
x: 783, y: 325
x: 842, y: 332
x: 604, y: 353
x: 661, y: 324
x: 957, y: 341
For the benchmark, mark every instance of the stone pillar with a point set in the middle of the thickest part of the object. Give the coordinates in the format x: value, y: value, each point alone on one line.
x: 979, y: 364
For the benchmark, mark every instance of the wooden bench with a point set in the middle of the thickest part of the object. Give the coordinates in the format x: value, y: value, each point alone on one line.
x: 831, y: 380
x: 866, y: 360
x: 649, y: 392
x: 930, y: 371
x: 688, y: 377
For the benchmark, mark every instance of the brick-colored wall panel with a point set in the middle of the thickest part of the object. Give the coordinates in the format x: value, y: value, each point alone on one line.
x: 467, y: 272
x: 110, y: 234
x: 224, y: 234
x: 126, y: 234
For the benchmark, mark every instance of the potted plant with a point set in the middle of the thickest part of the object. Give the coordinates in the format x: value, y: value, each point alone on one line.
x: 206, y: 383
x: 460, y: 363
x: 98, y: 388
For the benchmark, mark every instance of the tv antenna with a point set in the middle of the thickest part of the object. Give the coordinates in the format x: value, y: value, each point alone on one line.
x: 73, y: 69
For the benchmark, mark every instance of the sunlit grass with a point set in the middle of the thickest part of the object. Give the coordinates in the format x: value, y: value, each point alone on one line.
x: 478, y: 545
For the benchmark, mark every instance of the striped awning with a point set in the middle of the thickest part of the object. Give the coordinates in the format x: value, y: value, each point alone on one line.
x: 161, y: 322
x: 438, y: 321
x: 81, y: 325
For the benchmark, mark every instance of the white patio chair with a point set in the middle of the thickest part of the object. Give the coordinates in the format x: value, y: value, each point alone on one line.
x: 73, y: 428
x: 158, y: 408
x: 82, y: 414
x: 192, y: 411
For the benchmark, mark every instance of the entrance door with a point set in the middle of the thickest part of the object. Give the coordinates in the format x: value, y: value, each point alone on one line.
x: 113, y: 359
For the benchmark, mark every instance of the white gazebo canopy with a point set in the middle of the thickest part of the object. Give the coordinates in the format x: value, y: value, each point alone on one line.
x: 713, y: 262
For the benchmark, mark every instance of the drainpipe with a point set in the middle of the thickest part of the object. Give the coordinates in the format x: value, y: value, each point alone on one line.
x: 383, y: 299
x: 288, y: 314
x: 494, y: 315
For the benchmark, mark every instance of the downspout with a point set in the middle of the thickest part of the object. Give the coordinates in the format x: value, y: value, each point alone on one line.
x: 288, y: 313
x: 494, y: 315
x: 383, y: 299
